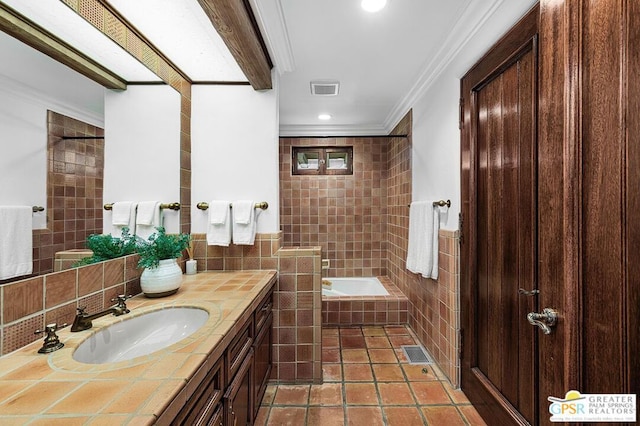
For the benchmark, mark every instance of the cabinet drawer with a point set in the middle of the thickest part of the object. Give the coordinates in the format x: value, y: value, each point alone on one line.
x: 239, y: 349
x: 262, y: 312
x: 204, y: 402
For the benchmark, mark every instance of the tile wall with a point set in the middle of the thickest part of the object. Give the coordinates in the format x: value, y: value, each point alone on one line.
x: 297, y: 309
x: 345, y: 215
x: 434, y: 310
x: 74, y: 189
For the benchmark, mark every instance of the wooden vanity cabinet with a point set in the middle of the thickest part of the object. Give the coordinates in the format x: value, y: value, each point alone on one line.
x: 205, y: 405
x: 262, y: 350
x: 231, y: 391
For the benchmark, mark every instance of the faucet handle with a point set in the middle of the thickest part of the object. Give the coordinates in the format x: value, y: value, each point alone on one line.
x: 120, y: 304
x: 51, y: 340
x: 81, y: 310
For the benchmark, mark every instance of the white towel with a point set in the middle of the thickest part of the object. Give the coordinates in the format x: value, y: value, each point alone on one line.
x: 422, y: 253
x: 16, y: 241
x: 243, y: 211
x: 244, y: 222
x: 123, y: 215
x: 148, y: 218
x: 219, y: 226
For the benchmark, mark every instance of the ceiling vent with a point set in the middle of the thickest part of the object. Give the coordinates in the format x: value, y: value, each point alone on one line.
x: 325, y: 88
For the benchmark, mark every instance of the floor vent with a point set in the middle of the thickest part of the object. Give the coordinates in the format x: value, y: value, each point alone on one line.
x: 416, y: 355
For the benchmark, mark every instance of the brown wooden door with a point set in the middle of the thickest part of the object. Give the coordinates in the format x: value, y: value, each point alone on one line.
x: 500, y: 235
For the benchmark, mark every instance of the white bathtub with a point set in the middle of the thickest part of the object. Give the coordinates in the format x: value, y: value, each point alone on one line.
x: 360, y: 286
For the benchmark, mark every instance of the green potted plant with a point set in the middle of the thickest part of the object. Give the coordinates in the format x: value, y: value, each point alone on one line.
x: 106, y: 246
x: 161, y: 276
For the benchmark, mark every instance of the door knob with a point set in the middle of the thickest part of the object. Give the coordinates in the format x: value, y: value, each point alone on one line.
x: 547, y: 319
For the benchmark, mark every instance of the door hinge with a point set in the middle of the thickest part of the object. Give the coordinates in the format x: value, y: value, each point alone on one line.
x: 461, y: 114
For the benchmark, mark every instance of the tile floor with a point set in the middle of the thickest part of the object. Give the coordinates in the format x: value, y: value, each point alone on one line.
x: 368, y: 381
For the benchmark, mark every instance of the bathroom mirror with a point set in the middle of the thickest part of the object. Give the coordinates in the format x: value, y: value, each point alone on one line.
x: 51, y: 121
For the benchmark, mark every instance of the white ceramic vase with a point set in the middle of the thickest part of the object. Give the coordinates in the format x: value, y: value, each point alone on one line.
x: 163, y: 280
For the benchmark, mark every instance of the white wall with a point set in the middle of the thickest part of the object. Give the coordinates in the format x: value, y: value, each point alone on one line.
x: 436, y: 137
x: 142, y: 148
x: 30, y: 84
x: 234, y: 150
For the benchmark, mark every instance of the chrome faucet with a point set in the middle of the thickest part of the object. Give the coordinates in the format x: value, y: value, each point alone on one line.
x: 82, y: 321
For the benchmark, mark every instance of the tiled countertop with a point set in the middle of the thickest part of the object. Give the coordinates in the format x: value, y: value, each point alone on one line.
x: 49, y: 389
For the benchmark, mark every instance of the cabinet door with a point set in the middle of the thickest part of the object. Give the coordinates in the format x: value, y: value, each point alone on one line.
x: 238, y: 398
x: 262, y: 362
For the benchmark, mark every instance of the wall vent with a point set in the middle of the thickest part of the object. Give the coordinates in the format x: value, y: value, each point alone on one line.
x: 325, y: 88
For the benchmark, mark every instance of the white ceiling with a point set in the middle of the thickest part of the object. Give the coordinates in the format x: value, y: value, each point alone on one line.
x: 377, y: 57
x: 383, y: 61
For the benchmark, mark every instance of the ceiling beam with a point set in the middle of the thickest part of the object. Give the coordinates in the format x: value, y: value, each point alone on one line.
x: 28, y: 32
x: 236, y: 25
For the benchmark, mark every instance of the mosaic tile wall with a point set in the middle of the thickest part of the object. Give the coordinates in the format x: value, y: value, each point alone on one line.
x: 345, y: 215
x: 74, y: 189
x: 29, y: 304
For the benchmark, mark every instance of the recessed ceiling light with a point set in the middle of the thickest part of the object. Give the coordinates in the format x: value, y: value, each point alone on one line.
x: 324, y: 117
x: 373, y: 5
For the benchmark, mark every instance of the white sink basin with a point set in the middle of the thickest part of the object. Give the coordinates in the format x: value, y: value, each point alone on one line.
x: 140, y: 335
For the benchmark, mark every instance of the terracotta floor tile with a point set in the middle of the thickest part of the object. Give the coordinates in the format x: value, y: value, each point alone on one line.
x: 48, y: 393
x: 330, y: 342
x: 377, y: 342
x: 330, y: 355
x: 293, y: 416
x: 456, y: 395
x: 437, y: 372
x: 380, y: 356
x: 269, y: 393
x: 404, y: 416
x: 373, y: 331
x: 261, y: 418
x: 325, y: 416
x: 443, y: 415
x: 418, y: 373
x: 369, y: 416
x: 430, y: 393
x: 352, y: 342
x: 326, y: 394
x: 388, y: 372
x: 355, y: 331
x: 395, y: 394
x: 292, y: 395
x: 361, y: 394
x: 357, y: 373
x: 330, y: 331
x: 397, y: 341
x: 396, y: 329
x: 471, y: 415
x: 90, y: 397
x: 401, y: 356
x: 355, y: 356
x: 332, y: 372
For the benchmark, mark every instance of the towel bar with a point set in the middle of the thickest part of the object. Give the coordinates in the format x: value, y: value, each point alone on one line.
x: 439, y: 203
x: 263, y: 205
x: 37, y: 209
x: 170, y: 206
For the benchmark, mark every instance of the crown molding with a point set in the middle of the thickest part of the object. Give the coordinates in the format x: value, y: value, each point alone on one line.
x: 469, y: 23
x: 332, y: 130
x: 29, y: 94
x: 277, y: 36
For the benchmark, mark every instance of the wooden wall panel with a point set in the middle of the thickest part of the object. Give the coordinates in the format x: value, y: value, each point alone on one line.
x: 602, y: 202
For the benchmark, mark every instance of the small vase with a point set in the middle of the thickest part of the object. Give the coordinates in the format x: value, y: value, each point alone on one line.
x: 162, y: 280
